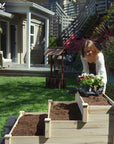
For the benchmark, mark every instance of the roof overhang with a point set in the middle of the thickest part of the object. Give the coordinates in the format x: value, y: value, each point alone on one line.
x: 22, y: 7
x: 6, y: 14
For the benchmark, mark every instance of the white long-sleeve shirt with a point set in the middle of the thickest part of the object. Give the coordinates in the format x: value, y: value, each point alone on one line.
x: 100, y: 67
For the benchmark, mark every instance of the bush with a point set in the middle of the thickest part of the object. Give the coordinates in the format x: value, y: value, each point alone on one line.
x: 109, y: 52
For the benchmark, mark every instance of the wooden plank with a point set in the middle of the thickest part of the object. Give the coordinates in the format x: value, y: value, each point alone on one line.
x: 82, y: 106
x: 80, y: 102
x: 50, y: 102
x: 99, y: 109
x: 85, y: 112
x: 65, y: 102
x: 109, y: 99
x: 66, y: 140
x: 35, y: 113
x: 98, y: 117
x: 78, y: 132
x: 78, y: 124
x: 47, y: 127
x: 21, y: 113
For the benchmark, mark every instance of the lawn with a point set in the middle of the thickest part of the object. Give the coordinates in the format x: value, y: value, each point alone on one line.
x: 29, y: 94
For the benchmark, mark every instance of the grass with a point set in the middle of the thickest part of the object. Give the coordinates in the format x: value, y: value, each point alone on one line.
x: 30, y: 95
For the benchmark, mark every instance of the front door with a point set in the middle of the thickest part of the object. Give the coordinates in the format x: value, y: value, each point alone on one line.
x: 13, y: 42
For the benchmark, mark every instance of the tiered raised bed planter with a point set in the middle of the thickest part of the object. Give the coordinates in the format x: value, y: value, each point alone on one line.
x: 84, y: 123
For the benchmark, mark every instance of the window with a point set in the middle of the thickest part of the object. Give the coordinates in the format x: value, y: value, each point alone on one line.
x: 32, y: 35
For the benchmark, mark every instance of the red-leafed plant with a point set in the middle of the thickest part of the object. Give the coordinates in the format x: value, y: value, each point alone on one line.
x: 73, y: 43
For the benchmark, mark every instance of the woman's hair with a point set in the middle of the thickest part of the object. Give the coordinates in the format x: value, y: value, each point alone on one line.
x: 90, y: 44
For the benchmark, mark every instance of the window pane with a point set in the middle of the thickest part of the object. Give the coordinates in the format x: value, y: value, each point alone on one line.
x: 32, y: 40
x: 32, y: 29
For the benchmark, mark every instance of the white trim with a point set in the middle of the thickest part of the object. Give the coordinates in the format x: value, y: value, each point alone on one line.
x: 16, y: 45
x: 28, y: 5
x: 28, y: 59
x: 46, y: 38
x: 40, y: 15
x: 37, y: 21
x: 8, y: 41
x: 6, y: 14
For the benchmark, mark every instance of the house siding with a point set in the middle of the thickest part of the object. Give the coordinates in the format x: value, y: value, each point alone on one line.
x: 36, y: 49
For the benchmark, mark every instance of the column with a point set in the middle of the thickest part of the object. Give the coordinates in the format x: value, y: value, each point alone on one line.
x: 46, y: 38
x: 28, y: 39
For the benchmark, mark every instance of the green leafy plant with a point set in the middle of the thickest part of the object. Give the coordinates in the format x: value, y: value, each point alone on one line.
x: 90, y: 80
x: 109, y: 52
x: 54, y: 42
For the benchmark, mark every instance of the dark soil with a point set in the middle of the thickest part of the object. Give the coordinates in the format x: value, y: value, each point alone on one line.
x: 30, y: 125
x: 62, y: 111
x: 96, y: 100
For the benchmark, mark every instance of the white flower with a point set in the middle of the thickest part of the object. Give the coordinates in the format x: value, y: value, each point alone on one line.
x: 84, y: 74
x: 92, y: 75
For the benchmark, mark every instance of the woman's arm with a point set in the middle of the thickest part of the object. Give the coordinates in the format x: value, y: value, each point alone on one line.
x: 85, y: 66
x: 100, y: 67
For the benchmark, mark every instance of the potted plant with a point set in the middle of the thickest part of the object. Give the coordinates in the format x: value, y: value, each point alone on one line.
x: 90, y: 84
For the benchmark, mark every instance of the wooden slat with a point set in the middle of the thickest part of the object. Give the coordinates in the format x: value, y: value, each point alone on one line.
x: 75, y: 140
x: 49, y: 107
x: 99, y: 109
x: 78, y: 132
x: 78, y: 124
x: 22, y: 113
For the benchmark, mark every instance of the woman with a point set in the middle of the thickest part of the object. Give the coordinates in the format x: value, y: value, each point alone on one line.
x: 93, y: 60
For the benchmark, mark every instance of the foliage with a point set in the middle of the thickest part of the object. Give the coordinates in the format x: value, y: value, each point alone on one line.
x: 109, y: 52
x: 54, y: 41
x: 110, y: 91
x: 90, y: 80
x: 104, y: 27
x: 73, y: 43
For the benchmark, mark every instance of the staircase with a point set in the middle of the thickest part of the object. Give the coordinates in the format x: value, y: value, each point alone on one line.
x: 59, y: 21
x: 83, y: 13
x: 70, y: 19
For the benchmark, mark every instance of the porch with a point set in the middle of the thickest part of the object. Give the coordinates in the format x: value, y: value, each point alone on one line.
x: 35, y: 70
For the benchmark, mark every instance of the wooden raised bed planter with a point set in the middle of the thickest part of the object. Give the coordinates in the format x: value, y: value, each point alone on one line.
x: 23, y: 139
x: 95, y: 126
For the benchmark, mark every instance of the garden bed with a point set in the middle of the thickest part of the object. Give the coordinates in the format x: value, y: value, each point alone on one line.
x: 65, y: 111
x: 85, y: 120
x: 30, y: 125
x: 96, y: 100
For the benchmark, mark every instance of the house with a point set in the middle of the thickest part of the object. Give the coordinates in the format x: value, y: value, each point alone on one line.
x: 25, y: 27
